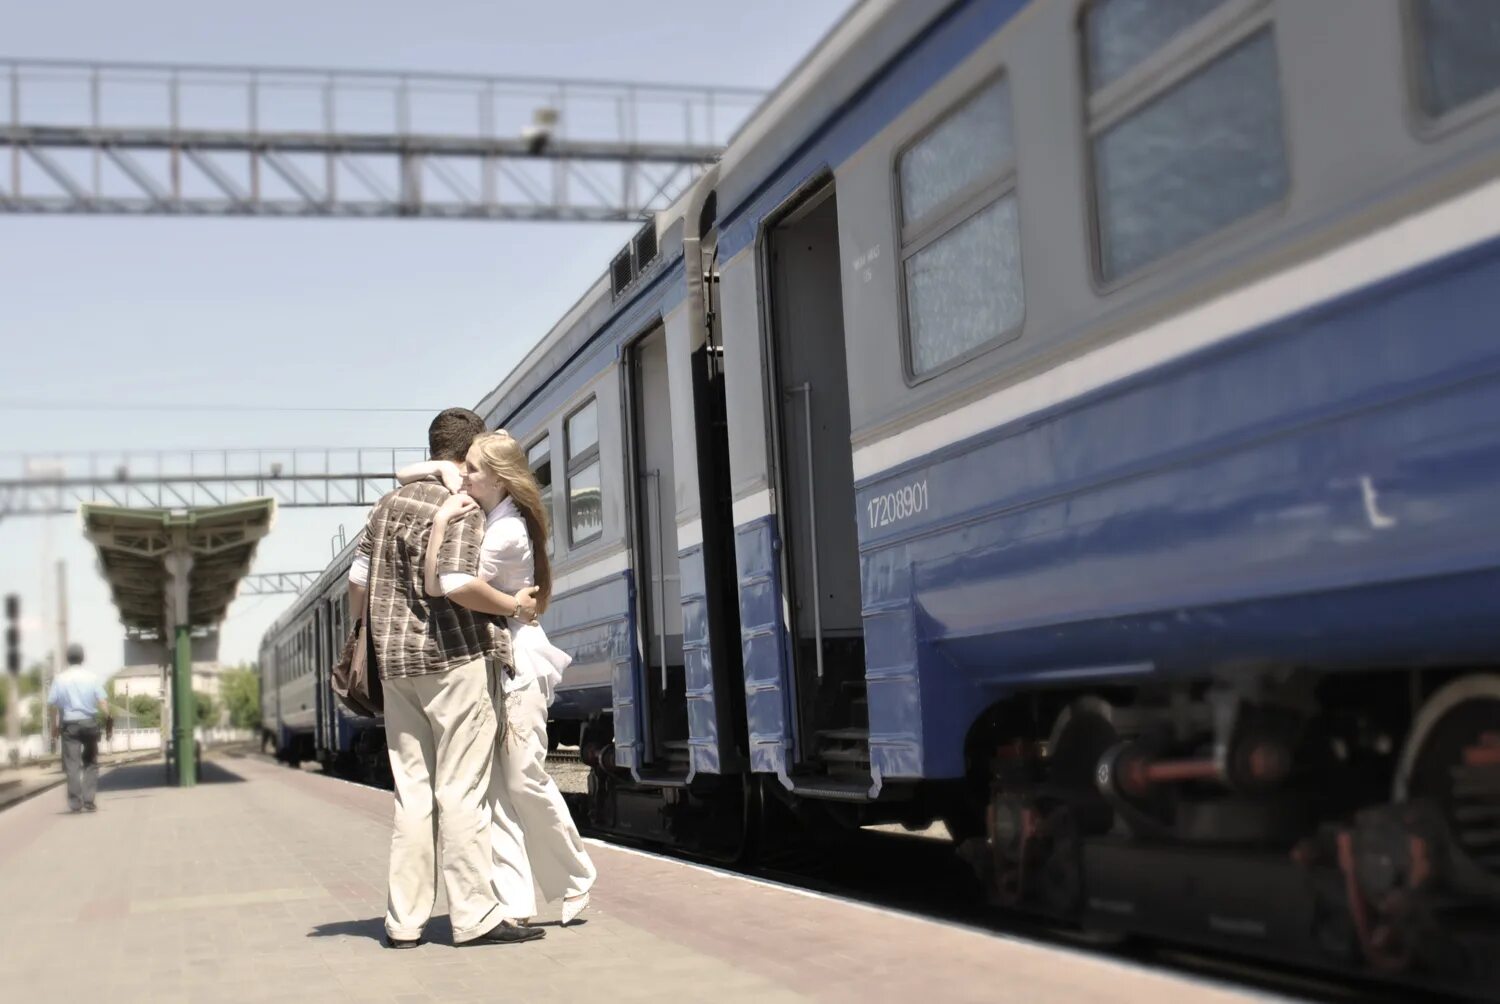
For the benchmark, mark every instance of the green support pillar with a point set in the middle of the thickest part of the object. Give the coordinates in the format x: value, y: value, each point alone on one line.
x: 179, y: 566
x: 184, y: 707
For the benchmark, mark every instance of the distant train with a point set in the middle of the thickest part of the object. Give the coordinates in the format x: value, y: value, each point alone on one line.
x: 1076, y: 422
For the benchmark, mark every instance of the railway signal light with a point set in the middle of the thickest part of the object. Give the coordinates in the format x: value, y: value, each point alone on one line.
x: 13, y: 634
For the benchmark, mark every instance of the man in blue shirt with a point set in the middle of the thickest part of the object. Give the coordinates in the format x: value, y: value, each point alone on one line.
x: 76, y: 696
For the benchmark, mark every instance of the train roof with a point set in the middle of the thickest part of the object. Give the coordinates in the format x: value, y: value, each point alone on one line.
x: 586, y: 316
x: 868, y: 36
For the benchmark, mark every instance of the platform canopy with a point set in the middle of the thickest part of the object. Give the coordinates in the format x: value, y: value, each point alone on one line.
x: 134, y: 550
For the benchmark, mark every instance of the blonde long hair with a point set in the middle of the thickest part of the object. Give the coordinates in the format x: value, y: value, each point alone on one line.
x: 505, y: 459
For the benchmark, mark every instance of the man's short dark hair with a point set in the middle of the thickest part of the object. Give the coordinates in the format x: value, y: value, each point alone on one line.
x: 451, y: 433
x: 75, y: 654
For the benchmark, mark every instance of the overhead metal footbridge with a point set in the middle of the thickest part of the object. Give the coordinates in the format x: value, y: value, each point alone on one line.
x: 196, y: 140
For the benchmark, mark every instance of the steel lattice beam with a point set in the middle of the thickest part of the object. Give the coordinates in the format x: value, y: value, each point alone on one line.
x: 274, y: 583
x: 304, y: 478
x: 125, y: 138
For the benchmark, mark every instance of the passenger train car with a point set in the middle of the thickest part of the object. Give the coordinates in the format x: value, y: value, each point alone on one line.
x: 1075, y: 421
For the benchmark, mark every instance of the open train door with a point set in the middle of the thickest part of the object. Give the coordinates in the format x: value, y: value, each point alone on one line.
x: 661, y: 681
x: 813, y: 485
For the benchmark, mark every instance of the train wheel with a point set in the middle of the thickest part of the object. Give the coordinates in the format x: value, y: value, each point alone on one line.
x: 1452, y: 760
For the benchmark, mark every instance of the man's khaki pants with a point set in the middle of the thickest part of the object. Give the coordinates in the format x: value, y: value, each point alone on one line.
x: 440, y: 730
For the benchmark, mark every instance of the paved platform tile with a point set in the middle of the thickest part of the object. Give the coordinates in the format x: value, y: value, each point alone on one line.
x: 265, y: 883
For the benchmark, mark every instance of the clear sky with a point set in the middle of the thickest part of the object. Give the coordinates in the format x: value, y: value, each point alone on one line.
x: 308, y: 312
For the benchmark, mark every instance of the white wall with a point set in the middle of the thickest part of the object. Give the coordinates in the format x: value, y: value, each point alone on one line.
x: 29, y: 748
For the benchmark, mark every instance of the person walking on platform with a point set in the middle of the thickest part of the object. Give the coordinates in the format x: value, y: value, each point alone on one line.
x: 78, y: 706
x: 513, y: 559
x: 440, y: 721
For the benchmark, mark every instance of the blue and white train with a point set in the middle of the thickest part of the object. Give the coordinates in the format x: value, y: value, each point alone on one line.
x: 1078, y: 422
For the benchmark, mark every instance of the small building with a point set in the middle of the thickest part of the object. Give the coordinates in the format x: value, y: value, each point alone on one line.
x: 150, y: 681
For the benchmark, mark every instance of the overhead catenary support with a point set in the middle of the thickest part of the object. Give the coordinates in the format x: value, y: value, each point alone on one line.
x: 278, y: 583
x: 192, y: 141
x: 322, y: 478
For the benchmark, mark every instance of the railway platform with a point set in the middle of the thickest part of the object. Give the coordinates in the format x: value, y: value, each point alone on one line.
x: 267, y: 884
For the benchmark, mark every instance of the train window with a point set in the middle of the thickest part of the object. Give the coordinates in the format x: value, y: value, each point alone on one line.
x: 960, y: 234
x: 971, y: 143
x: 1458, y: 50
x: 539, y: 458
x: 1120, y: 34
x: 585, y: 508
x: 1185, y: 140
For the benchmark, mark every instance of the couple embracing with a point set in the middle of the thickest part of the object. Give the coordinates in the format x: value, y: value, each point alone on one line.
x: 454, y: 566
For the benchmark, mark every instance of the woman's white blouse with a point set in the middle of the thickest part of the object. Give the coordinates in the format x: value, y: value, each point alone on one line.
x: 506, y: 562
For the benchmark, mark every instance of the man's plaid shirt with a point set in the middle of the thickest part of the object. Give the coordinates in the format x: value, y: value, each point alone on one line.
x: 415, y: 633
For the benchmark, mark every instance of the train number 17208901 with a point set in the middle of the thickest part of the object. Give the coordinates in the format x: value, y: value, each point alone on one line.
x: 892, y: 507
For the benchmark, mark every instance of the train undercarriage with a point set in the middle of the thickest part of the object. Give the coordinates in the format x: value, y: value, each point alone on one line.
x: 1344, y: 821
x: 1341, y: 821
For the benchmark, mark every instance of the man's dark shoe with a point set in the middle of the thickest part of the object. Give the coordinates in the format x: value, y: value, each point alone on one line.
x: 390, y: 942
x: 91, y: 807
x: 508, y: 934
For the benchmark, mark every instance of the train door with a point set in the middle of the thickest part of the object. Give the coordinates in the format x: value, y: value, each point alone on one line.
x: 720, y: 586
x: 654, y: 556
x: 320, y: 667
x: 328, y: 712
x: 278, y: 670
x: 814, y: 485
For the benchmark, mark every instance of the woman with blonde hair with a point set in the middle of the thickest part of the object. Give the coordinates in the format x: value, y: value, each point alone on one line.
x: 536, y: 844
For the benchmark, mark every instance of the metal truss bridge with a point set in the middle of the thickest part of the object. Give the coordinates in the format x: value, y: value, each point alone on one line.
x: 277, y: 583
x: 185, y: 140
x: 56, y: 484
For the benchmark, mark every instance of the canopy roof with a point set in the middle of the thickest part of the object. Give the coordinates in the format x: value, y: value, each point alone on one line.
x: 134, y: 545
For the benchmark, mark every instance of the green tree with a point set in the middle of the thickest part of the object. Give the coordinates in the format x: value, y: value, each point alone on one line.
x: 239, y: 688
x: 145, y: 712
x: 32, y: 724
x: 31, y: 679
x: 30, y: 685
x: 208, y: 711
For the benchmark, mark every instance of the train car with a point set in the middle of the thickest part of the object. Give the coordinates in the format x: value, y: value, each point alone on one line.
x: 301, y: 718
x: 1073, y: 421
x: 1146, y: 345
